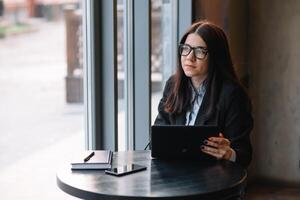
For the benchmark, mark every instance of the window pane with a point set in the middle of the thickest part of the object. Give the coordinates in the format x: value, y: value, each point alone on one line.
x: 163, y: 47
x: 41, y: 86
x: 121, y: 77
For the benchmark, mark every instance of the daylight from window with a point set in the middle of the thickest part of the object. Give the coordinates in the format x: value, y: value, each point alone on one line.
x: 41, y: 86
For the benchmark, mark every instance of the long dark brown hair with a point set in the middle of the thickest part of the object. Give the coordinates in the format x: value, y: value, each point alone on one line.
x: 220, y: 68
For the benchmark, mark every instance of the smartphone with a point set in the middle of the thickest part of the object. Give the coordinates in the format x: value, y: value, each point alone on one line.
x: 126, y: 169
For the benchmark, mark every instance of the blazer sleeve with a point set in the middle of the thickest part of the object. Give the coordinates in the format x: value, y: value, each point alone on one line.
x: 238, y: 125
x: 163, y: 118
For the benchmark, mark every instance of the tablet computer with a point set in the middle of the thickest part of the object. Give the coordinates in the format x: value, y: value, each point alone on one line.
x: 180, y: 142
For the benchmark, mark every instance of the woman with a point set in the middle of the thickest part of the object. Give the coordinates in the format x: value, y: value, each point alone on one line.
x: 206, y: 91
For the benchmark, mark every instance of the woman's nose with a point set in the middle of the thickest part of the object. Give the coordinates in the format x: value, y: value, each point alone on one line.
x: 191, y: 55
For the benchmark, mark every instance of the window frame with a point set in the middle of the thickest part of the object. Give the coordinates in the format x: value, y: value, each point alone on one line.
x: 100, y: 59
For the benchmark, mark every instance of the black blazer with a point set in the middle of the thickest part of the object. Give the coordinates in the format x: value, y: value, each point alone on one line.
x: 232, y: 116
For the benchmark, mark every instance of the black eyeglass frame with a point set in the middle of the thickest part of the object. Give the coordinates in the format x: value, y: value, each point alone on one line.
x: 203, y: 49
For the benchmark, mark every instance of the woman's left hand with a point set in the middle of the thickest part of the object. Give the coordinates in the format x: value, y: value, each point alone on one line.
x: 218, y: 147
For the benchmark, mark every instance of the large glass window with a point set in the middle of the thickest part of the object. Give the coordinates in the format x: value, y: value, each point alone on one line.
x: 41, y: 86
x: 163, y: 47
x: 163, y: 38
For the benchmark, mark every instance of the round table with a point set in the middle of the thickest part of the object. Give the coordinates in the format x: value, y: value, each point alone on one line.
x: 162, y: 180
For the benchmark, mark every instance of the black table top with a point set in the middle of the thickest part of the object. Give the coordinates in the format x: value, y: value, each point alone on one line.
x: 162, y: 179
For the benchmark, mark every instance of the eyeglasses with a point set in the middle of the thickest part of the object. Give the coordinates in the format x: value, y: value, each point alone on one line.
x: 199, y: 52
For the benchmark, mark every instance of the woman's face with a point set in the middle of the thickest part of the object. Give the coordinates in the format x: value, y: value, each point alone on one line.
x: 194, y: 63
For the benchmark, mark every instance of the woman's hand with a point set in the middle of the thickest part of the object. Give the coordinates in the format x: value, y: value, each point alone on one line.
x: 218, y: 147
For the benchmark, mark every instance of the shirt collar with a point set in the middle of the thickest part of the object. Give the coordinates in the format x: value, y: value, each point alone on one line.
x: 200, y: 90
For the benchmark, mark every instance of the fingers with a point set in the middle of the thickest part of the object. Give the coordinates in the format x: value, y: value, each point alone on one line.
x: 211, y: 143
x: 219, y: 140
x: 218, y: 153
x: 218, y: 147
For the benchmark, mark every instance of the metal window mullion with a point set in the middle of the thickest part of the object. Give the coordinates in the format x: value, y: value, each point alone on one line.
x: 101, y: 74
x: 88, y: 35
x: 129, y: 73
x: 174, y: 35
x: 142, y: 72
x: 109, y: 97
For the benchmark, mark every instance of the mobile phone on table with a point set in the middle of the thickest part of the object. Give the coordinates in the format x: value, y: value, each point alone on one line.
x: 126, y: 169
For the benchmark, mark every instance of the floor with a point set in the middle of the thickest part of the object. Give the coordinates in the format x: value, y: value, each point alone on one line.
x: 265, y: 192
x: 34, y: 177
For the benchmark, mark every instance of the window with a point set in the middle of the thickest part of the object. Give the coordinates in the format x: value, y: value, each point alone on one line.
x: 163, y: 45
x: 55, y: 67
x: 41, y: 86
x: 124, y: 65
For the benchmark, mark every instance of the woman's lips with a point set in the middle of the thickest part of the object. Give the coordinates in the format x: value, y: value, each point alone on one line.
x: 189, y: 66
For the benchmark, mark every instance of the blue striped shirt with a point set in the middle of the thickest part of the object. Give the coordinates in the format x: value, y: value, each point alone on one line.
x: 196, y: 101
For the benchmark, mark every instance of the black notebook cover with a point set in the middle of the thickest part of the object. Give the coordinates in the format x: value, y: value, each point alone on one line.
x: 101, y: 159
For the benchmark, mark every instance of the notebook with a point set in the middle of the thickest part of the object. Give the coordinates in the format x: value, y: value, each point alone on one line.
x: 98, y: 159
x: 180, y: 142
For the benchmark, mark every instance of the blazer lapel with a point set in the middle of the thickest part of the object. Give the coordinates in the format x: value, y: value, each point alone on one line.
x: 201, y: 118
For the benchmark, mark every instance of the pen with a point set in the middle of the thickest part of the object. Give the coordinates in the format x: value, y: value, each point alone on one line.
x: 89, y: 157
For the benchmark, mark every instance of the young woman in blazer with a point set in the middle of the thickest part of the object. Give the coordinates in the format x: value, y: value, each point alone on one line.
x: 205, y: 90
